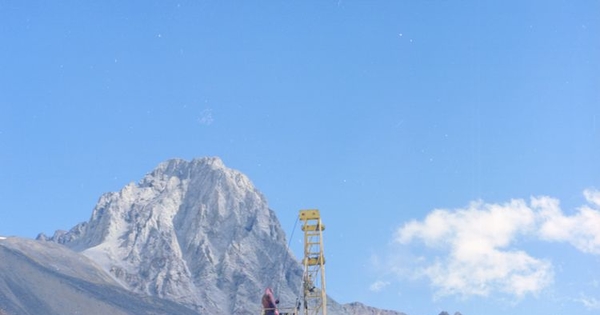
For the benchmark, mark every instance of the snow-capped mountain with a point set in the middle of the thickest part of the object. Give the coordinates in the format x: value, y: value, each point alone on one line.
x: 196, y: 233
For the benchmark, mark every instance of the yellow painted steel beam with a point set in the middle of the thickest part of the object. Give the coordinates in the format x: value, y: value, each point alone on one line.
x: 310, y: 214
x: 313, y: 261
x: 313, y: 227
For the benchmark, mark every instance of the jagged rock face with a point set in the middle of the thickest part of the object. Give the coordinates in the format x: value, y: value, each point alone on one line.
x: 196, y: 233
x: 193, y: 232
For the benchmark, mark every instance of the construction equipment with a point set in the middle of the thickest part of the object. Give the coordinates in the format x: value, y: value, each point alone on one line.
x: 314, y: 296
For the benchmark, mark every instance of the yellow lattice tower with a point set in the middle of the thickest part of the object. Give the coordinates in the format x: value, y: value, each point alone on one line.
x: 314, y: 292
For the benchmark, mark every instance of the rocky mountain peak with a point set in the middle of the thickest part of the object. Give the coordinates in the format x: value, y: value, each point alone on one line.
x: 194, y: 232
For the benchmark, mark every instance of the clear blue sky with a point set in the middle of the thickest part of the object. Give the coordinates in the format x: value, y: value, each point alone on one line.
x: 375, y: 112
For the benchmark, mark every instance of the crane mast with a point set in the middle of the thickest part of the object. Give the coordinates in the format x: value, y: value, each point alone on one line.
x: 314, y: 295
x: 314, y: 286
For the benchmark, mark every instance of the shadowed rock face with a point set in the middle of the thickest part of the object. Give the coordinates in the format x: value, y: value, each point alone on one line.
x: 195, y: 233
x: 38, y: 278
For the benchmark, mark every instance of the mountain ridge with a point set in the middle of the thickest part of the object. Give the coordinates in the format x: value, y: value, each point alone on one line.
x: 192, y: 232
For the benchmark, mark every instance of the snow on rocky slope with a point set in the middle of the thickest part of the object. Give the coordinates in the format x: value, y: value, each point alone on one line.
x: 194, y: 232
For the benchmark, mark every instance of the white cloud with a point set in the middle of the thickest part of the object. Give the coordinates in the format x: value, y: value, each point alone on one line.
x: 478, y: 259
x: 475, y: 248
x: 592, y: 196
x: 378, y: 285
x: 581, y: 230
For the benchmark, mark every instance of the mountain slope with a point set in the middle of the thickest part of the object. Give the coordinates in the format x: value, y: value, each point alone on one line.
x: 193, y: 232
x: 37, y: 278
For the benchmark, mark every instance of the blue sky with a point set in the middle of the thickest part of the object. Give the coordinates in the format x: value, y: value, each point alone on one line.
x: 452, y: 146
